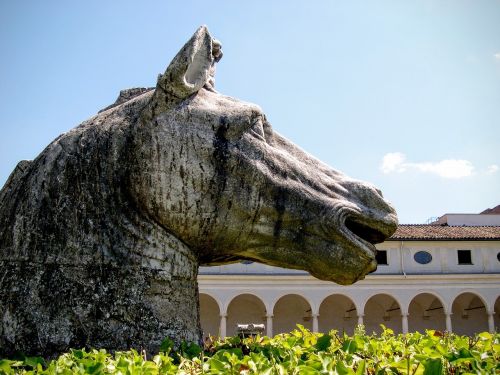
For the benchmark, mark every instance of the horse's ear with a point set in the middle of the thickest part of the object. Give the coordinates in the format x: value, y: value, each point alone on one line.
x: 190, y: 69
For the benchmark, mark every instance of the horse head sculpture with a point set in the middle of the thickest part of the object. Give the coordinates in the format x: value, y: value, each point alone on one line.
x: 102, y: 234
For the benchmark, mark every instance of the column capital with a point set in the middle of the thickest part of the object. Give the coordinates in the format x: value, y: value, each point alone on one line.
x: 269, y: 315
x: 223, y: 315
x: 360, y: 315
x: 315, y: 315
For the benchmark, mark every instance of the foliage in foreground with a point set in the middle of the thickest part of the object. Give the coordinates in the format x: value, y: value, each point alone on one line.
x: 299, y: 352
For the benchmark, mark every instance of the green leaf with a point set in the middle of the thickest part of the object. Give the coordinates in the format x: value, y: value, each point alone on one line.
x: 307, y: 370
x: 95, y: 368
x: 5, y: 366
x: 485, y: 335
x: 323, y: 342
x: 33, y: 361
x: 166, y: 345
x: 361, y: 367
x: 79, y: 354
x: 298, y: 352
x: 350, y: 346
x: 215, y: 364
x: 342, y: 369
x: 433, y: 366
x: 191, y: 350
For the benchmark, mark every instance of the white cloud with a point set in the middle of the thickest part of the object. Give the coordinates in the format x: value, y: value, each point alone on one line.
x: 497, y: 56
x: 492, y: 169
x: 393, y: 162
x: 448, y: 168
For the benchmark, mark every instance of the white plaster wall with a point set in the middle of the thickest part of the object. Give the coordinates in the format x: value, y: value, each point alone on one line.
x: 393, y: 259
x: 444, y: 257
x: 477, y: 265
x: 416, y: 268
x: 470, y: 219
x: 490, y: 258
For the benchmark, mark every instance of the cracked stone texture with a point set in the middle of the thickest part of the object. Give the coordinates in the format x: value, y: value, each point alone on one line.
x: 102, y: 234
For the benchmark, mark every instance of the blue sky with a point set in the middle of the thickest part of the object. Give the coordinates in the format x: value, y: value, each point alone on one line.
x: 405, y: 94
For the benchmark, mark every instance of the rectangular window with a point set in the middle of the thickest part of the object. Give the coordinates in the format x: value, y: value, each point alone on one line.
x: 381, y: 257
x: 464, y: 257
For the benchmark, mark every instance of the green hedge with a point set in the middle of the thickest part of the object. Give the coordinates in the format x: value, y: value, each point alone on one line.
x: 299, y: 352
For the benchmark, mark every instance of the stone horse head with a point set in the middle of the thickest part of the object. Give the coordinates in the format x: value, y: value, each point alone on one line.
x: 102, y: 234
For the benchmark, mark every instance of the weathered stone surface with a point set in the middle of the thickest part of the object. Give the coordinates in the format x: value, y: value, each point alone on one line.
x: 102, y: 234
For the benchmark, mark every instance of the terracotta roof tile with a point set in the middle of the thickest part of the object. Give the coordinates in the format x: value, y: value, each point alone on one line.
x: 438, y: 232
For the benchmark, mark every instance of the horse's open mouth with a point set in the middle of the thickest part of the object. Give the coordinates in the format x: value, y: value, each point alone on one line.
x: 364, y: 231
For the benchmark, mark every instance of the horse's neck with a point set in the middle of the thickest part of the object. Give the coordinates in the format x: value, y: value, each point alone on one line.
x: 57, y: 213
x: 151, y: 246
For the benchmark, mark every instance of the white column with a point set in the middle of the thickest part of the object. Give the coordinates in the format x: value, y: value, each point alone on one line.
x: 404, y: 322
x: 315, y: 322
x: 222, y: 329
x: 360, y: 319
x: 491, y: 321
x: 269, y: 325
x: 449, y: 328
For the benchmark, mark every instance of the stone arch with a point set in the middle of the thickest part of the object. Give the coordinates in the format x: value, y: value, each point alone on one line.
x: 382, y: 309
x: 209, y: 315
x: 244, y: 309
x: 290, y: 310
x: 445, y: 302
x: 469, y: 314
x: 296, y: 293
x: 220, y: 304
x: 231, y: 297
x: 470, y: 291
x: 426, y: 311
x: 337, y: 311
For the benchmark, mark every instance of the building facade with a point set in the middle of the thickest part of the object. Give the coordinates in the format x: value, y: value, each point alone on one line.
x: 444, y: 276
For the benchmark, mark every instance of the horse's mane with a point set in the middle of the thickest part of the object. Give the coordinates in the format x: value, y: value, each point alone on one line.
x: 68, y: 190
